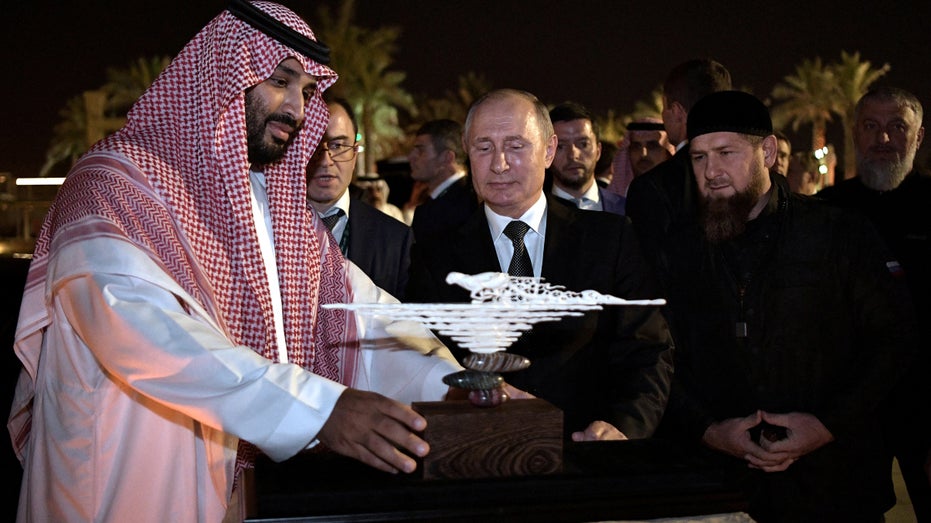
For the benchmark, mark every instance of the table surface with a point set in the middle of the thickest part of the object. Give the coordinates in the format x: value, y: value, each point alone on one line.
x: 640, y: 479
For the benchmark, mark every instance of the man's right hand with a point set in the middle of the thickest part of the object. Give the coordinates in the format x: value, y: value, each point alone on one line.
x: 373, y: 429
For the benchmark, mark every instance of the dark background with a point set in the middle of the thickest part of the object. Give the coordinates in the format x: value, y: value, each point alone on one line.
x: 605, y: 54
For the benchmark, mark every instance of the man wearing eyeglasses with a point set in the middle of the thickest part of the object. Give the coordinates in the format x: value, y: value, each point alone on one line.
x: 377, y: 243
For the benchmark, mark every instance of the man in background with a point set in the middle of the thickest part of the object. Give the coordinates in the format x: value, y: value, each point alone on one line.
x: 648, y: 146
x: 664, y: 198
x: 783, y: 153
x: 604, y: 167
x: 895, y: 195
x: 378, y: 244
x: 645, y: 145
x: 803, y: 175
x: 577, y: 152
x: 438, y: 161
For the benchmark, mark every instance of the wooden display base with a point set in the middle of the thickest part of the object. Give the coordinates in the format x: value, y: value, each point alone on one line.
x: 516, y: 438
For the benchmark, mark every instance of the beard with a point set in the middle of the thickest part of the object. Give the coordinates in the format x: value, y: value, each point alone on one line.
x: 262, y: 152
x: 572, y: 181
x: 724, y: 219
x: 884, y: 175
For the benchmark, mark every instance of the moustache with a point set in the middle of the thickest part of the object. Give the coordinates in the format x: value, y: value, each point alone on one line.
x: 283, y: 118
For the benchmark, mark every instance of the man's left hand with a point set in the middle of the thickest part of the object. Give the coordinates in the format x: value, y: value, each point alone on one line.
x: 804, y: 434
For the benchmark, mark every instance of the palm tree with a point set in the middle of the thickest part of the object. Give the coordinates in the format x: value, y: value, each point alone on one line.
x: 125, y: 86
x: 651, y: 107
x: 69, y: 137
x: 455, y: 104
x: 613, y: 126
x: 362, y: 58
x: 806, y: 97
x: 853, y: 79
x: 79, y: 127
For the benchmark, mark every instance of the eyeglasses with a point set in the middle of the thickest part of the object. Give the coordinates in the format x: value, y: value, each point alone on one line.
x: 340, y: 151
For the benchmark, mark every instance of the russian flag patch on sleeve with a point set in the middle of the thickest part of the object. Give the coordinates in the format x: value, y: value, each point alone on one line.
x: 895, y: 269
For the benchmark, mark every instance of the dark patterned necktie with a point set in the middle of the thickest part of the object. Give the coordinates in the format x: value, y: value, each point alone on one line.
x: 520, y: 262
x: 330, y: 221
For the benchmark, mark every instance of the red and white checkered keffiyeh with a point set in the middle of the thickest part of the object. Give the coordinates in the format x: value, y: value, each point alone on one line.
x: 188, y: 205
x: 623, y: 172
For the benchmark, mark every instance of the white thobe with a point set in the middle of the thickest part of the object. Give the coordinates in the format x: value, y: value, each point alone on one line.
x: 141, y: 400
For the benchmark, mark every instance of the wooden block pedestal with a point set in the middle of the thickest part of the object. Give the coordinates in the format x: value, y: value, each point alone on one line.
x: 516, y: 438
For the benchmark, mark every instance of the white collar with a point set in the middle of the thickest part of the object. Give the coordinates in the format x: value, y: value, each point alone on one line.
x: 591, y: 194
x: 341, y: 203
x: 533, y: 217
x: 446, y: 183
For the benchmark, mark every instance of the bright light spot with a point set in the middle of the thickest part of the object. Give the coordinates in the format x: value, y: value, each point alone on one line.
x: 40, y: 181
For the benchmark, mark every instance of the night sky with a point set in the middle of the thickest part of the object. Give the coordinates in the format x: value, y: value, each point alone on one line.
x: 604, y: 54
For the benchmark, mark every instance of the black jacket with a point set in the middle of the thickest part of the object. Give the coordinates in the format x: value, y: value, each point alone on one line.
x: 614, y: 365
x: 829, y: 330
x: 448, y: 210
x: 380, y: 245
x: 660, y: 202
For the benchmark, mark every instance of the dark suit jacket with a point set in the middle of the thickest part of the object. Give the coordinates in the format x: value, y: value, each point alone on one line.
x: 660, y: 202
x: 448, y: 210
x: 380, y: 245
x: 614, y: 365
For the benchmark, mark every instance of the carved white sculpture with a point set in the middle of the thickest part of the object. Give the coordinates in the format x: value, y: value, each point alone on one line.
x: 502, y: 308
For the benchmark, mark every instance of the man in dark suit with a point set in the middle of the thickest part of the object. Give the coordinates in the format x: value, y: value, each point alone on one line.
x: 604, y: 167
x: 577, y: 153
x: 665, y: 198
x: 609, y: 371
x: 437, y: 159
x: 377, y: 243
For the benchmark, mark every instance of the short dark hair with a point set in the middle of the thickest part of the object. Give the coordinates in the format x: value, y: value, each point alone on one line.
x: 781, y: 136
x: 446, y: 135
x: 568, y: 111
x: 342, y: 102
x: 608, y: 152
x: 691, y: 81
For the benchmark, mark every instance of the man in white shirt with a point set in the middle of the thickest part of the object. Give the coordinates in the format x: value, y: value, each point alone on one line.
x: 377, y: 243
x: 577, y: 153
x: 609, y: 371
x: 171, y: 321
x: 664, y: 199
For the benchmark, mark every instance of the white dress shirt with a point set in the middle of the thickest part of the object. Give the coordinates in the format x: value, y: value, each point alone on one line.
x: 445, y: 185
x: 589, y: 201
x: 343, y: 222
x: 535, y: 217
